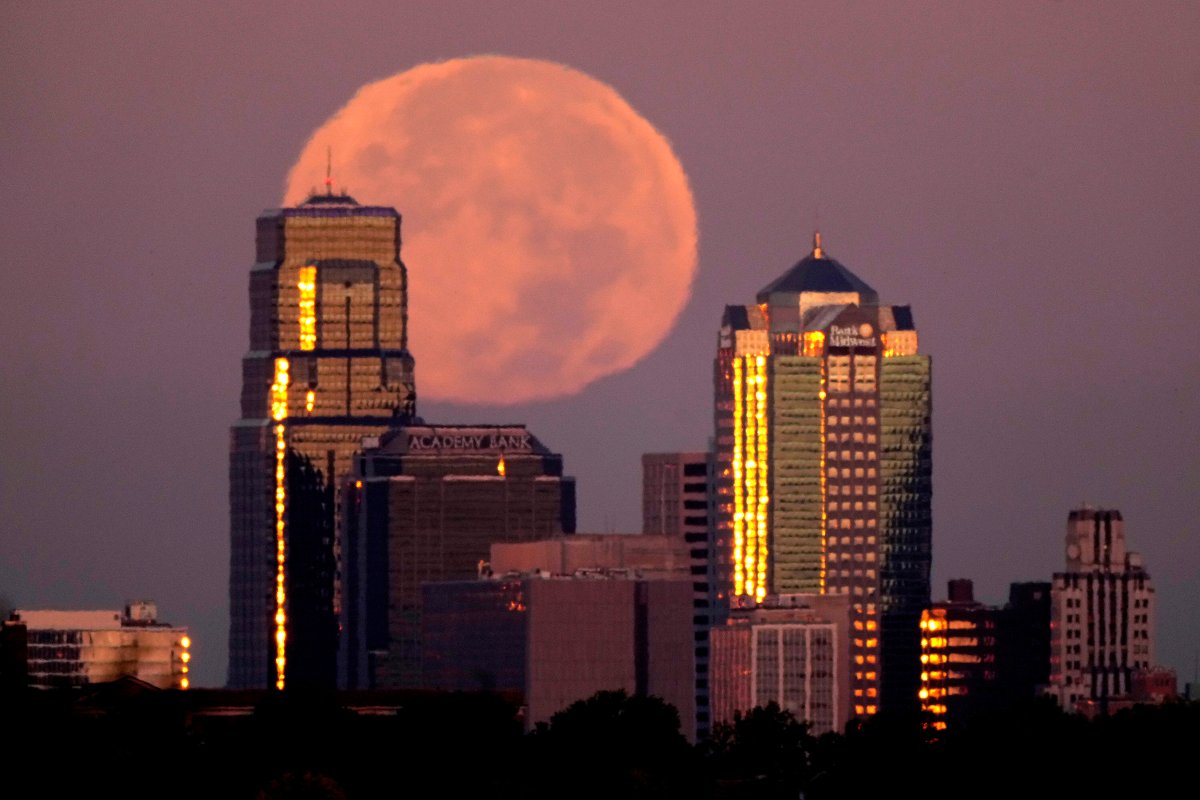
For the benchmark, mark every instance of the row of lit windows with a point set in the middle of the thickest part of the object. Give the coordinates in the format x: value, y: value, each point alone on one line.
x: 852, y: 436
x: 852, y: 556
x: 858, y: 573
x: 857, y: 505
x: 846, y: 402
x: 858, y: 472
x: 852, y: 490
x: 853, y: 455
x: 867, y: 591
x: 856, y: 420
x: 845, y: 524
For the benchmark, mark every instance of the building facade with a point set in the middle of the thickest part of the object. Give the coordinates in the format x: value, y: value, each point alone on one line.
x: 327, y: 365
x: 822, y: 464
x: 675, y: 492
x: 794, y: 652
x: 558, y: 639
x: 958, y: 654
x: 425, y: 503
x: 1023, y: 641
x: 1101, y: 612
x: 59, y: 649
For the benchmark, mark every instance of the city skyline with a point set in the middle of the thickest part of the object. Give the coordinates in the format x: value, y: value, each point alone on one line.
x: 1023, y: 177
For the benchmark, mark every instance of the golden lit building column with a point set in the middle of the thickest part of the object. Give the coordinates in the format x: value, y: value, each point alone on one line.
x: 751, y: 494
x: 327, y: 365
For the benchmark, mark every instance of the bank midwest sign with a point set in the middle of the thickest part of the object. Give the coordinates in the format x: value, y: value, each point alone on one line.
x: 852, y: 335
x: 466, y: 442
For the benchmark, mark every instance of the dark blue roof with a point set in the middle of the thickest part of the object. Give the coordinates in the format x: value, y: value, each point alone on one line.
x: 815, y: 273
x: 736, y: 318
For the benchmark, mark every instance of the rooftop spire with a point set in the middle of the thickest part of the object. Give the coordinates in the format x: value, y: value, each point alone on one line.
x: 817, y: 251
x: 329, y: 170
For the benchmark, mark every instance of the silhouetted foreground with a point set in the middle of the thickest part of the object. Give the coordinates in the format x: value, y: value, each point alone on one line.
x: 124, y: 740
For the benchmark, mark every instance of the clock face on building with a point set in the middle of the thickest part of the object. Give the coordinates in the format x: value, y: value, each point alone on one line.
x: 1072, y: 551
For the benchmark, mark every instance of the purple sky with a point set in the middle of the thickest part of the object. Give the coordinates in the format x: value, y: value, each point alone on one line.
x: 1026, y: 175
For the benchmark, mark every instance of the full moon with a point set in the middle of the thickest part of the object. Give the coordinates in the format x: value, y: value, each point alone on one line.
x: 548, y: 229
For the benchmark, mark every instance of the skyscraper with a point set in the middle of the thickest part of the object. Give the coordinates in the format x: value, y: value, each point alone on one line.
x: 822, y: 464
x: 328, y: 364
x: 675, y: 504
x: 425, y: 503
x: 1101, y: 612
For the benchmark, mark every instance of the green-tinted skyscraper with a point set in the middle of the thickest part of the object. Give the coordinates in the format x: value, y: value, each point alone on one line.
x: 823, y: 468
x: 328, y: 364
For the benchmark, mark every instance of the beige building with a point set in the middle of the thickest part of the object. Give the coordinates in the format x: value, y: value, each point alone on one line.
x: 794, y: 651
x: 1101, y: 612
x: 74, y: 648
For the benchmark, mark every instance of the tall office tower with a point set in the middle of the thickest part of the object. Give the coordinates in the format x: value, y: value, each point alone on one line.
x: 1101, y: 612
x: 425, y: 503
x: 822, y: 464
x: 328, y: 364
x: 675, y: 504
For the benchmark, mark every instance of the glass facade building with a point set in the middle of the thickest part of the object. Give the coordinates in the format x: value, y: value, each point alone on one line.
x: 425, y: 503
x: 822, y: 465
x: 327, y: 365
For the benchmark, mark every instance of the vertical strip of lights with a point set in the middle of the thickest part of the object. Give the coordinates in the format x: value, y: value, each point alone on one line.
x: 279, y: 412
x: 185, y: 644
x: 933, y: 668
x: 814, y: 346
x: 306, y: 283
x: 760, y: 459
x: 750, y: 495
x: 739, y: 506
x: 751, y: 476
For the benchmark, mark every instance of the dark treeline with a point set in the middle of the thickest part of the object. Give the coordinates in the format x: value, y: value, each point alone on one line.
x: 612, y: 746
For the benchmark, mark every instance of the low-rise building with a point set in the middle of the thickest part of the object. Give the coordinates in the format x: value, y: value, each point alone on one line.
x: 50, y: 649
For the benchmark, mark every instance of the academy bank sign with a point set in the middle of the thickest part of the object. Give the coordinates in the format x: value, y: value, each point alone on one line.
x: 466, y: 442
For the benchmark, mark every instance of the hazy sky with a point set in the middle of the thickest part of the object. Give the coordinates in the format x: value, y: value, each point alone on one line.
x: 1026, y: 175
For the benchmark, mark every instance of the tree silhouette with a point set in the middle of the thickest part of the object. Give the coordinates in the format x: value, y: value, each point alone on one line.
x: 611, y: 745
x: 765, y: 752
